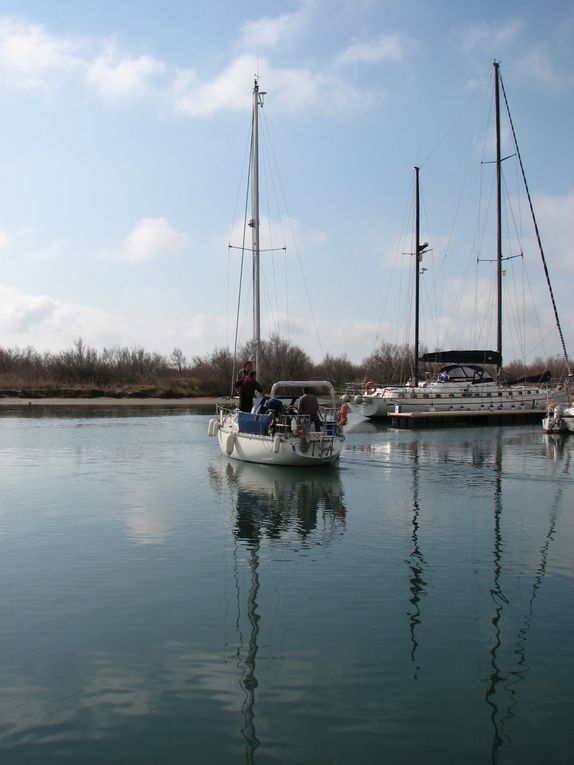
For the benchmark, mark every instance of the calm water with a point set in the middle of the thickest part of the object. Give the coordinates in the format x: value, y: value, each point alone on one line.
x: 162, y: 604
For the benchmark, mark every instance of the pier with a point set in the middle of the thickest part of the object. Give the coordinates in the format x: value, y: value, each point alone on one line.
x: 464, y: 418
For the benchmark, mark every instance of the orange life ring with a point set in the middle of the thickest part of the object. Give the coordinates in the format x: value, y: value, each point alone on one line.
x: 370, y: 387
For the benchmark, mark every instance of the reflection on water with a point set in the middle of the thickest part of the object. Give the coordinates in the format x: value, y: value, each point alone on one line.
x: 417, y: 562
x: 276, y: 501
x: 271, y: 502
x: 414, y: 604
x: 502, y: 693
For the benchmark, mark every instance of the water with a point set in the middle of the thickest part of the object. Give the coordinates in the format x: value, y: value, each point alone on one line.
x: 162, y: 604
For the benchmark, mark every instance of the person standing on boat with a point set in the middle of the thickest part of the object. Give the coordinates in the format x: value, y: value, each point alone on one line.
x: 243, y: 375
x: 308, y: 404
x: 247, y: 388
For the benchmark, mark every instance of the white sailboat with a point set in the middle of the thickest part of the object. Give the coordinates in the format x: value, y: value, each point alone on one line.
x: 275, y: 434
x: 558, y: 419
x: 463, y: 383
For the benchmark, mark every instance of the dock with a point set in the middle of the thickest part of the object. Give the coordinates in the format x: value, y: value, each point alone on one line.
x: 464, y: 419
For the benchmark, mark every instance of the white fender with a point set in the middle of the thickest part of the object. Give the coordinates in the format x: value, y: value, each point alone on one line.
x: 213, y: 427
x: 294, y: 424
x: 276, y: 444
x: 230, y: 443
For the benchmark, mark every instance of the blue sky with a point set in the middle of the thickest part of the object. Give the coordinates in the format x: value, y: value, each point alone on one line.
x: 122, y: 148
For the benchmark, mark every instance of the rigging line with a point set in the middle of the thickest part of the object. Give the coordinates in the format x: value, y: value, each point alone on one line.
x: 271, y: 154
x: 403, y: 272
x: 274, y: 322
x: 451, y: 128
x: 297, y: 253
x: 536, y: 230
x: 431, y: 301
x: 240, y: 278
x: 234, y: 218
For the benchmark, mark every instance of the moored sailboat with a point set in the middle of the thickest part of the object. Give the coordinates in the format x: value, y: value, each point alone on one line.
x: 463, y: 383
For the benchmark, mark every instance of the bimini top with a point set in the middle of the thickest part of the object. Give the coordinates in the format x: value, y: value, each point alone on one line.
x: 463, y: 357
x: 465, y: 373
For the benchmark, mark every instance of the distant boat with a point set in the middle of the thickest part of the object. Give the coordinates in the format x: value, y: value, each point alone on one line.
x: 275, y: 434
x: 463, y: 383
x: 558, y: 419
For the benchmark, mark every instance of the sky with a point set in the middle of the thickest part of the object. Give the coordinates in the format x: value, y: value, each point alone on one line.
x: 123, y: 162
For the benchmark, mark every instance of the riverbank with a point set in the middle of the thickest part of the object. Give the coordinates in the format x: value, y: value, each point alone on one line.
x: 106, y: 401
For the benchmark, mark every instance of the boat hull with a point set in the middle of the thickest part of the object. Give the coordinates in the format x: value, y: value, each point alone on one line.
x: 443, y: 397
x: 312, y: 449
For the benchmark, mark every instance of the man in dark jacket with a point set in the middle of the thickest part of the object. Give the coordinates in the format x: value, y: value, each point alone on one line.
x: 247, y: 389
x: 309, y: 404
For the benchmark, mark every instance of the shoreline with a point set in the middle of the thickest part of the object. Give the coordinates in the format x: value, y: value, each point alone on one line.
x: 106, y: 401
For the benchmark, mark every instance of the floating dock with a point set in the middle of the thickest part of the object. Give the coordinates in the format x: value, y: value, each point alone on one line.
x: 463, y: 418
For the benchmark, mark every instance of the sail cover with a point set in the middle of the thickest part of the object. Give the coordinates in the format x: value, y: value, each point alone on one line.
x: 462, y: 357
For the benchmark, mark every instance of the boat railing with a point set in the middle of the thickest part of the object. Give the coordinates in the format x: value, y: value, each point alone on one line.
x: 286, y: 421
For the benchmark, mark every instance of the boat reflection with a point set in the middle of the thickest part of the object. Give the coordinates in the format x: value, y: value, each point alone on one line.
x: 271, y: 503
x: 277, y: 501
x: 559, y: 446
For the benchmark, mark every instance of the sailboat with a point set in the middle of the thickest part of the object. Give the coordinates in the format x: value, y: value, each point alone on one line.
x: 274, y: 433
x: 463, y: 383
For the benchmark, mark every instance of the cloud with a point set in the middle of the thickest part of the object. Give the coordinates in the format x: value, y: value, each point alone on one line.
x: 495, y: 36
x: 116, y: 76
x: 151, y: 238
x: 49, y: 324
x: 25, y: 317
x: 30, y: 57
x: 385, y: 47
x: 293, y: 89
x: 271, y: 32
x: 4, y: 239
x: 537, y: 65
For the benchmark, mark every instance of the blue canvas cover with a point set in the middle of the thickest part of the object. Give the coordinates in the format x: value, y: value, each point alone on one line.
x: 258, y: 424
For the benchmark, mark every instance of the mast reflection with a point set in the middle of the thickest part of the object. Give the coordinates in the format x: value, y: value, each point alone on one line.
x: 503, y: 682
x: 271, y: 503
x: 417, y: 563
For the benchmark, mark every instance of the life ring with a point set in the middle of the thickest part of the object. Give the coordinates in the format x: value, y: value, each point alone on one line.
x: 370, y: 387
x: 343, y: 415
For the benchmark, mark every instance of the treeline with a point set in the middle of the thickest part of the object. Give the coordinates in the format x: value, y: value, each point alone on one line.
x: 134, y: 371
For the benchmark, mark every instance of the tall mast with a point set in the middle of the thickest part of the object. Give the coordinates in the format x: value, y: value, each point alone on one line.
x: 420, y: 249
x: 498, y: 219
x: 254, y: 223
x: 417, y: 276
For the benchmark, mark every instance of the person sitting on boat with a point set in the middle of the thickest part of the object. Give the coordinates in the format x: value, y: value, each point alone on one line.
x: 308, y: 404
x: 247, y: 390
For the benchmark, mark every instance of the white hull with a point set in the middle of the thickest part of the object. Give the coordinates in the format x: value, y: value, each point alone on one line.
x: 559, y: 420
x: 314, y: 449
x: 448, y: 397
